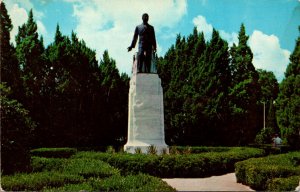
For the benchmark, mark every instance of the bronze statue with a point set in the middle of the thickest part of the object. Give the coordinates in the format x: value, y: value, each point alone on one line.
x: 147, y: 43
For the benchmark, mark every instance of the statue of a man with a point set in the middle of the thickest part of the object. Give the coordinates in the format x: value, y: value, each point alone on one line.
x: 147, y: 43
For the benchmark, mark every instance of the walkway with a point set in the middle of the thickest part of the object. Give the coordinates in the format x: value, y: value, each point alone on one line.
x: 215, y: 183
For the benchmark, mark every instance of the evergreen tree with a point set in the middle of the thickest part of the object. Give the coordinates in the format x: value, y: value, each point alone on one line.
x: 211, y: 80
x: 16, y: 130
x: 10, y: 71
x: 244, y: 91
x: 288, y: 101
x: 269, y: 91
x: 115, y: 88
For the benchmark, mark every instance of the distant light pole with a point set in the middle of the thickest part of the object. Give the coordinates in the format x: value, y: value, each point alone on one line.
x: 264, y: 115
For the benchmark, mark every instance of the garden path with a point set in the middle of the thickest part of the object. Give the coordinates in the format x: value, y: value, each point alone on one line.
x: 225, y: 182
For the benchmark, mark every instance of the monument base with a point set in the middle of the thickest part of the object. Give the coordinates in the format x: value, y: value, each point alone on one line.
x: 160, y: 148
x: 145, y: 115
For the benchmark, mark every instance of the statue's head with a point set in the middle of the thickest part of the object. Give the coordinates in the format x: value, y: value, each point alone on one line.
x: 145, y: 18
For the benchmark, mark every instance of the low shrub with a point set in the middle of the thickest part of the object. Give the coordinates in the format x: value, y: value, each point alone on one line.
x: 53, y: 152
x: 139, y: 182
x: 83, y: 166
x: 283, y: 184
x: 192, y: 165
x: 90, y: 168
x: 40, y: 164
x: 257, y: 172
x: 38, y: 181
x: 200, y: 149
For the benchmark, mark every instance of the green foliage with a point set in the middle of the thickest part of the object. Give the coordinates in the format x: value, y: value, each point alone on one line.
x: 139, y: 182
x: 138, y: 150
x: 244, y: 92
x: 10, y: 71
x: 42, y: 164
x: 90, y: 168
x: 38, y: 181
x: 288, y: 101
x: 202, y: 149
x: 82, y: 166
x: 192, y: 165
x: 16, y: 130
x: 54, y: 152
x: 258, y: 172
x: 110, y: 149
x: 152, y: 150
x: 265, y: 136
x: 283, y: 184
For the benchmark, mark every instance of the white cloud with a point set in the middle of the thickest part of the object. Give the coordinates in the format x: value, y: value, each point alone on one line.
x: 202, y: 25
x: 41, y: 28
x: 207, y: 29
x: 266, y: 49
x: 110, y: 24
x: 268, y: 54
x: 18, y: 17
x: 229, y: 37
x: 18, y: 12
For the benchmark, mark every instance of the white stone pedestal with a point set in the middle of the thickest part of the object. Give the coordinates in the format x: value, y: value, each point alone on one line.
x: 145, y: 114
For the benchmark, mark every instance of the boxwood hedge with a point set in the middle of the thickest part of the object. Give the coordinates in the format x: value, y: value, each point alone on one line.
x: 259, y: 173
x: 38, y: 181
x: 168, y: 166
x: 84, y: 167
x: 141, y: 182
x: 53, y: 152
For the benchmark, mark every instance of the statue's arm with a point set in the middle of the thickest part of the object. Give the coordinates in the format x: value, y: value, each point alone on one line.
x: 135, y: 36
x: 154, y: 40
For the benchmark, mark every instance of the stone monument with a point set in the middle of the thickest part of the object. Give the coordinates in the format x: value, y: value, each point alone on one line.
x: 145, y: 111
x: 146, y: 108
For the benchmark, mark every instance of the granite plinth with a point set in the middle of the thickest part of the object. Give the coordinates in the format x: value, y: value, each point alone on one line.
x: 145, y: 114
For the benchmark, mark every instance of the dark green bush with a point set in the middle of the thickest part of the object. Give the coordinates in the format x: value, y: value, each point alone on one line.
x: 201, y: 149
x: 90, y: 168
x: 53, y: 152
x: 16, y: 133
x: 38, y: 181
x: 139, y: 182
x: 283, y: 184
x: 40, y: 164
x: 192, y: 165
x: 258, y: 172
x: 83, y: 166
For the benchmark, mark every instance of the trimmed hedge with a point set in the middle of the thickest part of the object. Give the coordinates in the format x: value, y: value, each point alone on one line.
x: 139, y: 182
x: 90, y: 168
x: 38, y: 181
x: 258, y: 173
x: 168, y: 166
x: 54, y: 152
x: 200, y: 149
x: 83, y: 167
x: 40, y: 164
x: 283, y: 184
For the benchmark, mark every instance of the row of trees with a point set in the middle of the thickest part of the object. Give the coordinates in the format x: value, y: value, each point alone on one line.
x: 215, y: 96
x: 60, y: 95
x: 66, y: 97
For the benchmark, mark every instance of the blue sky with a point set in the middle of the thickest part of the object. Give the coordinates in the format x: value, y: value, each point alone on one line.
x: 272, y: 25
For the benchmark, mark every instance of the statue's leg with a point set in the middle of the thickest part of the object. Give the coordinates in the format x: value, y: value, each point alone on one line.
x: 148, y: 61
x: 140, y: 62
